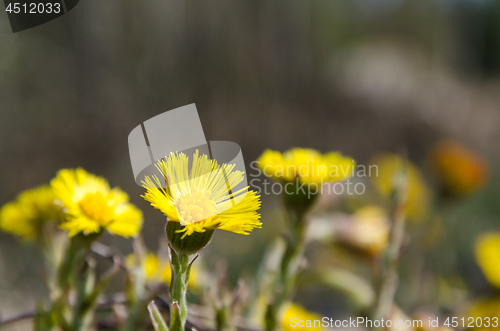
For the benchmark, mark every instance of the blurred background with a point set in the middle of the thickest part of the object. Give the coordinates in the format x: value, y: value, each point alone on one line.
x: 358, y: 76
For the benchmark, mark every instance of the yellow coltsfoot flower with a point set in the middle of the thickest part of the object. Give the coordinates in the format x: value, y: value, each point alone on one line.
x: 198, y: 201
x: 299, y: 319
x: 307, y: 165
x: 91, y: 205
x: 488, y: 257
x: 30, y: 212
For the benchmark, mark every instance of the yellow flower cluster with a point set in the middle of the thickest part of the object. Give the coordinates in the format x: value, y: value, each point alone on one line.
x: 29, y: 212
x: 76, y: 201
x: 91, y: 205
x: 307, y: 165
x: 199, y: 199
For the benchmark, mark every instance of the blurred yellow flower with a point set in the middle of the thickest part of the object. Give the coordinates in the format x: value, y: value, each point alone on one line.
x: 488, y: 310
x: 157, y: 270
x: 459, y: 170
x: 199, y: 199
x: 307, y: 165
x: 91, y: 205
x: 488, y: 256
x: 298, y: 319
x: 27, y: 214
x: 370, y: 229
x: 419, y: 194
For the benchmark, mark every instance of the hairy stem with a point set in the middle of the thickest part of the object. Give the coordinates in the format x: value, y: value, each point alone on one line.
x: 178, y: 287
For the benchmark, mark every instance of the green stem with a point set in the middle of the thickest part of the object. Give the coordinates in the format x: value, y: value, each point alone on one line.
x: 78, y: 246
x: 222, y: 319
x: 290, y: 263
x: 178, y: 287
x: 68, y: 281
x: 390, y: 279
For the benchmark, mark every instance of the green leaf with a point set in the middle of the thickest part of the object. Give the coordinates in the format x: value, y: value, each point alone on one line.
x: 188, y: 272
x: 176, y: 322
x: 355, y: 287
x: 173, y: 258
x: 156, y: 318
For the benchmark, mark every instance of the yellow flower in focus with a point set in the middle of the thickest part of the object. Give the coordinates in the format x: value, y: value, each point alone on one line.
x: 298, y: 319
x: 307, y: 165
x: 199, y: 199
x: 488, y: 256
x: 487, y: 310
x: 460, y: 170
x: 29, y: 212
x: 419, y: 194
x: 157, y: 270
x: 91, y: 205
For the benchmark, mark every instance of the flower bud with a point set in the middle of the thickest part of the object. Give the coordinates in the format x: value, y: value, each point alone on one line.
x: 190, y: 244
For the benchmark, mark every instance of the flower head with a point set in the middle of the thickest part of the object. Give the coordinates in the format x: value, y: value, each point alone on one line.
x: 29, y: 212
x: 418, y: 195
x: 295, y: 314
x: 370, y: 229
x: 307, y: 165
x: 488, y: 256
x: 459, y: 170
x: 155, y: 269
x: 91, y: 205
x: 198, y: 199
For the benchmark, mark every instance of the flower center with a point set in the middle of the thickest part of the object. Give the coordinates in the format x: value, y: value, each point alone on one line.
x: 195, y: 207
x: 95, y: 206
